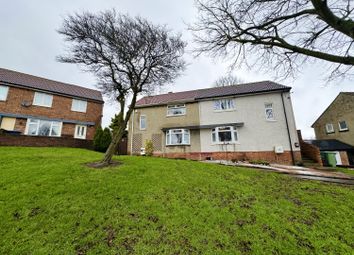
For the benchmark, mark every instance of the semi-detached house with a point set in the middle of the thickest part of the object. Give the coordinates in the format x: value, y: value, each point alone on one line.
x: 244, y: 122
x: 44, y: 109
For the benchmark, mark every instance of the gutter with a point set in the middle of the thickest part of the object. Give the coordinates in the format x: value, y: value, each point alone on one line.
x: 131, y: 137
x: 287, y: 128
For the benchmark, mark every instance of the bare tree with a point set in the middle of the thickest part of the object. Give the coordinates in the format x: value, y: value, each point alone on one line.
x: 278, y: 35
x: 129, y: 56
x: 227, y: 80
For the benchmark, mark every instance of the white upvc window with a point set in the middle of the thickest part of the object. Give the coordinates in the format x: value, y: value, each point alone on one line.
x: 42, y: 99
x: 80, y: 131
x: 79, y: 105
x: 176, y: 110
x: 226, y: 134
x: 224, y: 104
x: 38, y: 127
x: 142, y: 122
x: 269, y: 111
x: 3, y: 92
x: 178, y: 137
x: 342, y: 125
x: 329, y: 128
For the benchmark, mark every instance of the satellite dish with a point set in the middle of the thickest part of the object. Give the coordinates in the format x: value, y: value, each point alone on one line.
x: 26, y: 103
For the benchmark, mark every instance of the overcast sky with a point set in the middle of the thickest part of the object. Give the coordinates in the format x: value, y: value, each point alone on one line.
x: 29, y: 43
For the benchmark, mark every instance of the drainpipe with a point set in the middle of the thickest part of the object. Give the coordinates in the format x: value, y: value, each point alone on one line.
x: 131, y: 137
x: 287, y: 128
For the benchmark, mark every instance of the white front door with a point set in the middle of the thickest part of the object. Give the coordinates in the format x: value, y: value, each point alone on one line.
x: 80, y: 132
x: 338, y: 158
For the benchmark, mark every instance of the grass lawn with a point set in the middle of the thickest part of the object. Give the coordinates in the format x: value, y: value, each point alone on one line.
x: 50, y: 203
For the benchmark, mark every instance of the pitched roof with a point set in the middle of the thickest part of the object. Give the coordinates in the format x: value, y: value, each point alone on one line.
x: 199, y: 94
x: 38, y: 83
x: 330, y: 145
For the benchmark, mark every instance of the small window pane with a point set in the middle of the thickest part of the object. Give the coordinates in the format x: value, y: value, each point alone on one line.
x: 142, y: 122
x: 44, y: 128
x: 176, y: 110
x: 3, y: 92
x: 343, y: 125
x: 79, y: 105
x: 329, y: 128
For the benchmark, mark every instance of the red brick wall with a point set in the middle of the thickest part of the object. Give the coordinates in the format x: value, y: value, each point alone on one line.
x: 41, y: 141
x: 270, y: 156
x: 309, y: 150
x: 344, y: 158
x: 61, y: 108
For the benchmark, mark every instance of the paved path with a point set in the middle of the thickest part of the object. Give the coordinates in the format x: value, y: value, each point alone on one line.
x: 296, y: 171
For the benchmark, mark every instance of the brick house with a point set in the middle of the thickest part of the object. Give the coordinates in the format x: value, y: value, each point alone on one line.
x: 246, y: 121
x: 44, y: 111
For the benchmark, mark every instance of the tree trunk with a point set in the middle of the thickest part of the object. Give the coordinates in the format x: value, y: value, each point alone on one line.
x: 113, y: 147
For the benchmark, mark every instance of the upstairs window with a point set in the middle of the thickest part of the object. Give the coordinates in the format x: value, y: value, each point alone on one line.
x: 224, y: 134
x: 342, y: 125
x: 329, y: 128
x: 79, y: 105
x: 3, y: 92
x: 269, y: 111
x: 176, y: 110
x: 224, y: 104
x: 42, y: 99
x: 177, y: 137
x: 142, y: 122
x: 43, y: 127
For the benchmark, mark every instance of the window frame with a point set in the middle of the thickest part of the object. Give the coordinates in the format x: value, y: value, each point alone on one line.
x: 79, y: 101
x: 36, y: 94
x: 6, y: 93
x: 143, y: 116
x: 227, y: 109
x: 327, y: 130
x: 176, y: 106
x: 183, y: 131
x: 343, y: 129
x: 266, y: 107
x: 37, y: 123
x: 78, y: 126
x: 215, y: 133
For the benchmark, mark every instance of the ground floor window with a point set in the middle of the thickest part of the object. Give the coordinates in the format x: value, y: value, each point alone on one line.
x: 177, y: 137
x: 224, y: 134
x: 43, y: 127
x: 80, y: 131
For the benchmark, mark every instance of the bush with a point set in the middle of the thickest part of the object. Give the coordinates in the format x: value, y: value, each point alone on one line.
x: 102, y: 139
x: 149, y: 148
x: 259, y: 162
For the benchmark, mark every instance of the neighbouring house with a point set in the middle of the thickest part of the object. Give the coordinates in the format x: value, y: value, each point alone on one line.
x: 337, y: 121
x: 243, y: 122
x: 36, y: 111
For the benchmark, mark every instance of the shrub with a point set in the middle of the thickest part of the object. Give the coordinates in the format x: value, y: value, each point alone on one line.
x: 102, y: 139
x: 149, y: 148
x: 259, y: 162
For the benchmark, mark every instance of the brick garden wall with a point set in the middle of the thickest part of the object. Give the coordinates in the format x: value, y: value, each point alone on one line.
x: 41, y: 141
x: 270, y: 156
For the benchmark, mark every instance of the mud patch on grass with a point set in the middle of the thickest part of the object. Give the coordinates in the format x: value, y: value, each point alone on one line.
x: 245, y: 247
x: 111, y: 235
x: 34, y: 211
x: 99, y: 165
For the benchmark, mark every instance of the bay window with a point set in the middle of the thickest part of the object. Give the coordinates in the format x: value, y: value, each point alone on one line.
x: 177, y: 137
x: 224, y: 134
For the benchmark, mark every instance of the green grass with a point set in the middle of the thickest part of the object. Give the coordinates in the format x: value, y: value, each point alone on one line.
x: 50, y: 203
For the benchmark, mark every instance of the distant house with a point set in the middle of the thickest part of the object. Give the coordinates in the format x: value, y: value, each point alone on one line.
x: 246, y: 121
x: 40, y: 108
x: 335, y: 128
x: 337, y: 121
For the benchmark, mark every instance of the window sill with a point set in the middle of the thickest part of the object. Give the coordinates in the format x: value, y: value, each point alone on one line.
x: 344, y: 130
x: 229, y: 143
x: 78, y: 111
x: 328, y: 133
x: 171, y: 145
x: 271, y: 120
x: 46, y: 106
x: 229, y: 110
x: 177, y: 115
